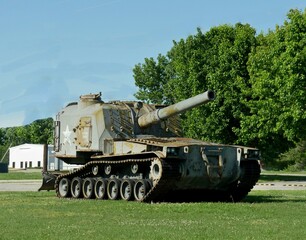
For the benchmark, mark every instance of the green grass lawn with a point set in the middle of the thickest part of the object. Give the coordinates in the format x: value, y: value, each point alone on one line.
x: 262, y: 215
x: 280, y: 176
x: 21, y: 175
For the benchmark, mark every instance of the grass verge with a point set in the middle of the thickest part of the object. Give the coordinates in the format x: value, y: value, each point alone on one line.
x: 263, y: 215
x: 24, y: 175
x: 268, y: 176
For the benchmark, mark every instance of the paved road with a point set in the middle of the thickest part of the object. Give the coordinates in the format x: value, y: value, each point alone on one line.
x: 20, y: 185
x: 281, y: 185
x: 34, y: 185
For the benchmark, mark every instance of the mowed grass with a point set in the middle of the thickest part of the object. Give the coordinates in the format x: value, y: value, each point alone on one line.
x: 274, y: 176
x: 262, y: 215
x: 21, y: 175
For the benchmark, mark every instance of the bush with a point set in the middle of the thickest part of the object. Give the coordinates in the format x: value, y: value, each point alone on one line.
x: 295, y: 158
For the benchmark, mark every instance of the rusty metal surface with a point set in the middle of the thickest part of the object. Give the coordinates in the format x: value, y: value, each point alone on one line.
x: 175, y: 142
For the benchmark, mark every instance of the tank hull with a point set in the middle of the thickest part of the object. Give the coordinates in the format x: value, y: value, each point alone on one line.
x: 183, y: 170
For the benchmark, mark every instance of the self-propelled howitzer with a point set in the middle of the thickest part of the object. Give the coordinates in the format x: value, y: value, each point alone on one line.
x: 134, y: 151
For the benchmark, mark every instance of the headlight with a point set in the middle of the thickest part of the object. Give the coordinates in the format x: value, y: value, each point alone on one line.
x: 253, y: 154
x: 172, y: 151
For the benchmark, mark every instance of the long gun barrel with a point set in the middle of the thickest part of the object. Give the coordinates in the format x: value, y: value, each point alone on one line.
x: 177, y: 108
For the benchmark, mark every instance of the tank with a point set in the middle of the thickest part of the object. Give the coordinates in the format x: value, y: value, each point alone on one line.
x: 135, y: 151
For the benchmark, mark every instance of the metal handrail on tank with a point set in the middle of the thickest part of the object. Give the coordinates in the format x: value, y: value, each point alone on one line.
x: 160, y: 114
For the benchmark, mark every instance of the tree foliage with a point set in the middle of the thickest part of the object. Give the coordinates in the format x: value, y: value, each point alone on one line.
x: 38, y: 132
x: 259, y: 81
x: 277, y: 100
x: 150, y: 77
x: 41, y: 131
x: 214, y: 60
x: 295, y: 158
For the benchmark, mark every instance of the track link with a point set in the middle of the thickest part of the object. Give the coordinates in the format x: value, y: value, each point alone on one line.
x: 165, y: 183
x: 247, y: 181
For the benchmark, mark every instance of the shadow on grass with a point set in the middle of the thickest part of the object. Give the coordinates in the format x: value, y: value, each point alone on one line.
x: 275, y: 198
x: 276, y: 177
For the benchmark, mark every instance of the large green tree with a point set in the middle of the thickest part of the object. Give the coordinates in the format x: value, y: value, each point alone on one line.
x: 213, y: 60
x: 277, y: 103
x: 151, y: 77
x: 260, y: 82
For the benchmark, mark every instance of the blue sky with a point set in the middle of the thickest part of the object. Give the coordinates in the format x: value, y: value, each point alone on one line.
x: 53, y: 51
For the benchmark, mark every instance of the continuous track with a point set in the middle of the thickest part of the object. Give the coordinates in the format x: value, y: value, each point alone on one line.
x: 249, y: 178
x: 153, y: 190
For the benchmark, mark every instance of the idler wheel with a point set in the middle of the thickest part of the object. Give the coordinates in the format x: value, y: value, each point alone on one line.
x: 126, y: 189
x: 76, y: 187
x: 88, y: 188
x: 141, y: 188
x: 113, y: 188
x: 100, y: 188
x: 156, y: 171
x: 64, y: 188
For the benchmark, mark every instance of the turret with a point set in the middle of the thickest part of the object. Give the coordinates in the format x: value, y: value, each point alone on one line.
x: 177, y: 108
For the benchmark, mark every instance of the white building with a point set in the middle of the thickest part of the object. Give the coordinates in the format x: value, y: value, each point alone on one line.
x: 32, y: 155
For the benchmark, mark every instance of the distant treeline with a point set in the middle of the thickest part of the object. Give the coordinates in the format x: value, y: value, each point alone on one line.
x: 259, y: 80
x: 38, y: 132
